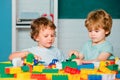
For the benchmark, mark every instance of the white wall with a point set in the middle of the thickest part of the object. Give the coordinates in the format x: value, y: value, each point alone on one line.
x: 73, y: 34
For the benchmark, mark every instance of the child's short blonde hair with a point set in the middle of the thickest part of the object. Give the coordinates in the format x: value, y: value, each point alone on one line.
x: 40, y: 24
x: 99, y: 19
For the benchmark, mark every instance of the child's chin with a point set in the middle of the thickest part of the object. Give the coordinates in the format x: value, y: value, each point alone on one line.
x: 48, y: 46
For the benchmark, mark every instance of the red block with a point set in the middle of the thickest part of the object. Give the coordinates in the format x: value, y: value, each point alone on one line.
x: 39, y: 76
x: 71, y: 70
x: 7, y: 70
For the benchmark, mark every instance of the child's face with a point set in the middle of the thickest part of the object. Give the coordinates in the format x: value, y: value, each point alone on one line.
x: 97, y: 36
x: 46, y: 37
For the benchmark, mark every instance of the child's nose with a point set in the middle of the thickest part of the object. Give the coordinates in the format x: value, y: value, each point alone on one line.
x: 92, y: 33
x: 50, y: 37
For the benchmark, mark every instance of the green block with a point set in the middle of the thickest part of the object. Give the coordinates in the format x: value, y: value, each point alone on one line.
x: 59, y: 77
x: 34, y: 72
x: 25, y: 68
x: 30, y: 58
x: 72, y: 57
x: 118, y: 71
x: 50, y: 71
x: 6, y: 75
x: 113, y: 67
x: 2, y: 67
x: 2, y: 70
x: 72, y: 64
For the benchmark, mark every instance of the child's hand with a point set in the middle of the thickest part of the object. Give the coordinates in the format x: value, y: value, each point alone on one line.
x: 76, y: 53
x: 37, y: 57
x: 78, y: 61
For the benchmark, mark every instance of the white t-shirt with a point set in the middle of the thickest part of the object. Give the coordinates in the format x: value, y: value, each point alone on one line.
x: 47, y: 54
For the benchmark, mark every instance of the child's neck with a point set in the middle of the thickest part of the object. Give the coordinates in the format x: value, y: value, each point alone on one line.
x: 44, y: 47
x: 96, y: 43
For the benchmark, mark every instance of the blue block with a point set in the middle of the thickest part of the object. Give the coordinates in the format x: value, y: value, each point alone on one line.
x: 118, y: 76
x: 88, y: 66
x: 94, y: 77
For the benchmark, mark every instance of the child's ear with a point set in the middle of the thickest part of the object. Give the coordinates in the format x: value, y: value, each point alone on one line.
x: 107, y: 32
x: 36, y: 38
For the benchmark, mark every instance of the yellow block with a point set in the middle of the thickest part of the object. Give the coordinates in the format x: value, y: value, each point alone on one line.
x: 23, y: 76
x: 38, y: 68
x: 6, y: 62
x: 13, y: 70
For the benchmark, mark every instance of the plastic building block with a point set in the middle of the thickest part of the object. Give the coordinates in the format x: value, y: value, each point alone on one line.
x: 59, y: 77
x: 23, y: 76
x: 117, y: 76
x: 17, y: 62
x: 106, y: 70
x: 72, y: 64
x: 30, y: 67
x: 116, y: 60
x: 58, y: 65
x: 71, y: 70
x: 25, y: 68
x: 3, y: 75
x: 38, y: 68
x: 50, y: 71
x: 88, y: 71
x: 118, y: 63
x: 7, y: 79
x: 108, y: 76
x: 74, y: 77
x: 88, y: 66
x: 52, y: 66
x: 49, y: 76
x: 38, y: 76
x: 96, y: 64
x: 36, y: 61
x: 2, y: 70
x: 53, y: 63
x: 30, y: 59
x: 118, y: 71
x: 83, y: 77
x: 113, y: 67
x: 109, y: 62
x: 104, y: 63
x: 3, y: 65
x: 103, y: 67
x: 5, y: 62
x: 13, y: 70
x: 94, y: 77
x: 72, y: 57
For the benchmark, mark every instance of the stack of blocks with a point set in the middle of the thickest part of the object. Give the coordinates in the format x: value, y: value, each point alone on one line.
x: 107, y: 70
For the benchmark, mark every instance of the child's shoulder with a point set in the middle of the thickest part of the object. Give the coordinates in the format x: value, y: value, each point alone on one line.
x: 107, y: 43
x: 31, y: 48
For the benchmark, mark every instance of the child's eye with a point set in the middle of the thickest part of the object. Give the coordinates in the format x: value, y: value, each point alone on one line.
x: 53, y: 35
x: 45, y: 35
x: 90, y: 31
x: 49, y: 35
x: 97, y: 31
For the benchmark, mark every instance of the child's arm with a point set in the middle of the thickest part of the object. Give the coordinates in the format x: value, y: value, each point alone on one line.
x: 103, y: 56
x: 18, y: 54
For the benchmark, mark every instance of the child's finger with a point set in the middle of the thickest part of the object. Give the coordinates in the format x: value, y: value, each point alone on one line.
x: 38, y: 57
